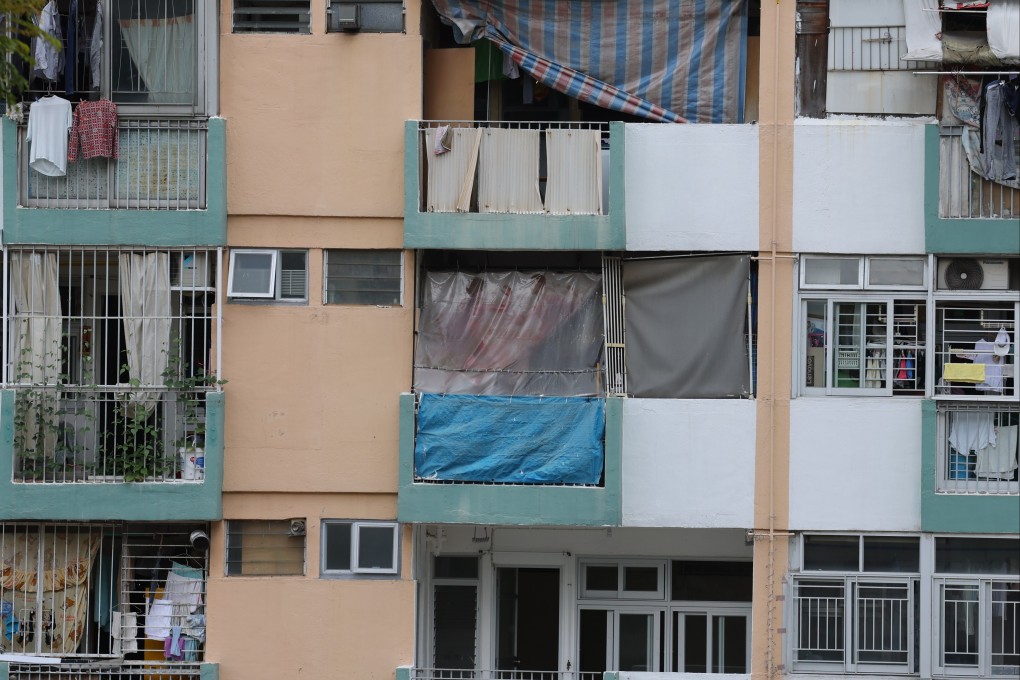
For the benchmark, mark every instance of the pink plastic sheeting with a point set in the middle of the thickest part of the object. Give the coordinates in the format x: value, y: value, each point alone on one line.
x: 510, y: 333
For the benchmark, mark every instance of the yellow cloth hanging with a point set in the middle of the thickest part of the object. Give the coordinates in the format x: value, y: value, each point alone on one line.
x: 972, y: 373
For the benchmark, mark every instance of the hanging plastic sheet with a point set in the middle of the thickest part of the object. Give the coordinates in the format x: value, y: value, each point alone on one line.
x: 685, y: 321
x: 521, y: 440
x: 658, y: 59
x: 510, y: 333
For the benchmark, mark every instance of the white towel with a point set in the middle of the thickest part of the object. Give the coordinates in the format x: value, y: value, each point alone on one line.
x: 971, y: 431
x: 998, y: 460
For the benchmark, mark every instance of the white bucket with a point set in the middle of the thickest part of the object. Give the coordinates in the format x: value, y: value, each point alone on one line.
x: 192, y: 463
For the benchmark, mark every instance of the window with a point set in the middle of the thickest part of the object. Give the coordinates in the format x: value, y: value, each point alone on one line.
x: 975, y: 354
x: 150, y: 54
x: 859, y: 610
x: 359, y: 548
x: 265, y: 547
x: 272, y: 16
x: 977, y: 606
x: 625, y: 580
x: 454, y: 613
x: 280, y: 275
x: 364, y: 277
x: 863, y: 343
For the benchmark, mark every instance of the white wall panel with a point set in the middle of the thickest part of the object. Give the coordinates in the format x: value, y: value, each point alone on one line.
x: 855, y: 464
x: 858, y: 187
x: 692, y: 187
x: 688, y: 462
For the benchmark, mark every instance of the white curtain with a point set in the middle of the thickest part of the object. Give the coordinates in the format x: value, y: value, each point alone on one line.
x: 574, y: 160
x: 508, y: 172
x: 163, y: 51
x: 36, y: 354
x: 451, y: 174
x: 1004, y: 28
x: 145, y: 302
x: 924, y: 26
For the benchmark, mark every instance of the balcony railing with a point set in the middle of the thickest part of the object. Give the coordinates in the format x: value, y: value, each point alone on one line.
x: 527, y: 168
x: 161, y: 166
x: 871, y: 48
x: 977, y: 448
x: 126, y: 671
x: 108, y: 434
x: 490, y: 674
x: 964, y: 193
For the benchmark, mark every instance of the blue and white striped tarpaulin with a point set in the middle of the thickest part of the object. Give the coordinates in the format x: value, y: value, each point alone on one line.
x: 670, y: 60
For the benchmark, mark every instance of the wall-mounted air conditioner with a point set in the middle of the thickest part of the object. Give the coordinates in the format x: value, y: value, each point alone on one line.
x: 967, y: 273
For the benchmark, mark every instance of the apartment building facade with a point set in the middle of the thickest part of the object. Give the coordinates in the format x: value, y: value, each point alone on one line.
x: 393, y: 343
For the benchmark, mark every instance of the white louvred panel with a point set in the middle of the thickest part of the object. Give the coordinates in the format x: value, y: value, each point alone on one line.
x: 508, y: 172
x: 451, y: 174
x: 575, y: 172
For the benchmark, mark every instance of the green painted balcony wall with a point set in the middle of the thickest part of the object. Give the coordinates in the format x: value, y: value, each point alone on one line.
x: 207, y: 671
x: 520, y: 505
x: 141, y: 501
x: 946, y: 236
x: 500, y: 231
x: 59, y: 226
x: 962, y: 513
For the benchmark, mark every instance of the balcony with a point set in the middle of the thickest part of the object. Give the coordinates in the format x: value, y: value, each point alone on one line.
x: 969, y: 467
x: 167, y: 187
x: 965, y: 213
x: 411, y: 673
x: 521, y: 186
x: 554, y: 493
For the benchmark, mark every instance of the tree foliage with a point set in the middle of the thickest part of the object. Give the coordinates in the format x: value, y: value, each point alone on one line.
x: 18, y: 31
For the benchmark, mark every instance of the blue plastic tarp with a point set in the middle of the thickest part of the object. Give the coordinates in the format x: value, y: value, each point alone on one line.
x: 522, y: 440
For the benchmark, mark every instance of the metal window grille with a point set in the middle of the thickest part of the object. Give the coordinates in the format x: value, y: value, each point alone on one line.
x: 161, y: 166
x: 265, y: 547
x: 873, y: 619
x: 494, y: 674
x: 960, y: 622
x: 871, y: 48
x: 965, y: 194
x: 108, y: 387
x: 987, y: 466
x: 978, y: 625
x: 272, y: 16
x: 103, y: 592
x: 97, y: 672
x: 469, y: 198
x: 364, y: 277
x: 613, y: 307
x: 966, y: 362
x: 1005, y: 622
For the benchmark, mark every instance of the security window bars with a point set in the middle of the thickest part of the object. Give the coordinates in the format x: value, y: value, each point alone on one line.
x: 147, y: 56
x: 265, y: 547
x: 108, y: 353
x: 977, y: 624
x: 975, y: 348
x: 977, y: 448
x: 111, y: 590
x: 267, y: 274
x: 364, y: 277
x: 853, y: 624
x: 272, y: 16
x: 359, y: 548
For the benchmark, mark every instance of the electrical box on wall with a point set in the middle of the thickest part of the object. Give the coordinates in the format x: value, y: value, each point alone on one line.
x: 366, y: 16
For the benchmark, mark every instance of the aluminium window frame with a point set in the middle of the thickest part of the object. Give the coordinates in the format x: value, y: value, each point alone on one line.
x: 984, y: 584
x: 676, y: 627
x: 584, y: 593
x: 356, y: 571
x: 325, y: 278
x: 228, y: 548
x: 275, y: 277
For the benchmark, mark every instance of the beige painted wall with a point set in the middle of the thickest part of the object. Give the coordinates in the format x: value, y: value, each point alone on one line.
x: 305, y: 627
x: 312, y: 392
x: 775, y: 294
x: 315, y: 122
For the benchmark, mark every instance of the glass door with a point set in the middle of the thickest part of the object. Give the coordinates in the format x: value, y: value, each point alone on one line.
x: 711, y: 641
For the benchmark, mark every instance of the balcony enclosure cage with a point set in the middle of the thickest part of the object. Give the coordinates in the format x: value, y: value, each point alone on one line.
x: 108, y: 352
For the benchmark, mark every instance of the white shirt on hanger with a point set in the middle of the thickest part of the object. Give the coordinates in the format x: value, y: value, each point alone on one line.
x: 49, y: 121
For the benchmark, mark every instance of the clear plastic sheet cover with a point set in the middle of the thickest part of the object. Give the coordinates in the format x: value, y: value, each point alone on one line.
x: 510, y: 333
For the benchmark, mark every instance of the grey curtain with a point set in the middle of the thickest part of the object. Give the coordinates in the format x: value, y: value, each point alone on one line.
x: 685, y: 321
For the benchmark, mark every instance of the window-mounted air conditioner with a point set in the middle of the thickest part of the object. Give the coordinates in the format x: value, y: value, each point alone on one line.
x: 966, y: 273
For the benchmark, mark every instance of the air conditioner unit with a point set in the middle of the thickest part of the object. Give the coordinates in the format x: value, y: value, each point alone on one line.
x: 194, y: 272
x: 966, y: 273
